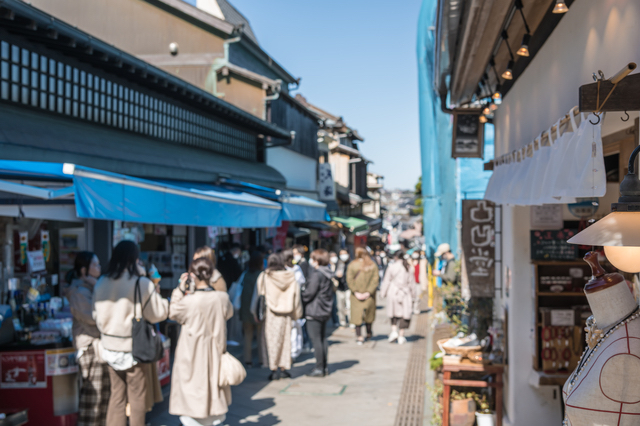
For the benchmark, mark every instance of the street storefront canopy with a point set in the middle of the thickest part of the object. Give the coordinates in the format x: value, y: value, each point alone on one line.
x: 295, y: 208
x: 104, y: 195
x: 353, y: 224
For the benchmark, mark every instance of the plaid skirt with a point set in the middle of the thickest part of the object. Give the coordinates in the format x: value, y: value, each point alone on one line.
x: 94, y: 391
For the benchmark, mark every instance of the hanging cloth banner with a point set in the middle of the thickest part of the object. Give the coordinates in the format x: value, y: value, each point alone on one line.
x: 45, y: 244
x: 570, y: 167
x: 24, y: 246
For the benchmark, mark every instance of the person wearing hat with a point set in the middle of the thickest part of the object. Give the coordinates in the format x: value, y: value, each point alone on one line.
x: 446, y: 271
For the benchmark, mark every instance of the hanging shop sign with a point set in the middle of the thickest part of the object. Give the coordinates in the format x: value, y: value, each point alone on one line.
x: 547, y: 216
x: 45, y: 244
x: 36, y: 261
x: 478, y: 246
x: 468, y: 134
x: 326, y: 186
x: 280, y: 239
x: 24, y: 247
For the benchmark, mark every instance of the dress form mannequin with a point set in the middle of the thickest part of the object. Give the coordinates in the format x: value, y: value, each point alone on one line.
x: 605, y: 387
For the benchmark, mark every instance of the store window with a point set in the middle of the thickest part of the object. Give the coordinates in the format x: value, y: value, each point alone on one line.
x: 37, y: 81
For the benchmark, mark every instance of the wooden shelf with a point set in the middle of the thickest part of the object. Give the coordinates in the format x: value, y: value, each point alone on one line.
x: 563, y: 294
x: 540, y: 378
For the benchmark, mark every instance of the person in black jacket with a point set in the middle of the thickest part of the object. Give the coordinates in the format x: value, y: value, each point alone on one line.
x: 229, y: 264
x: 317, y: 297
x: 299, y: 259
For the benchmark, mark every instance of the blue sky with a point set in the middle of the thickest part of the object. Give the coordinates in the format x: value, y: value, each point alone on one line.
x: 357, y: 58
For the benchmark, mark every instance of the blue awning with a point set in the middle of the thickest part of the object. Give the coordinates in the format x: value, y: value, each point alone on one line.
x: 295, y: 208
x: 111, y: 196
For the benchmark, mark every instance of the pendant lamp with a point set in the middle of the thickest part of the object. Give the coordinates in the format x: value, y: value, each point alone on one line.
x: 619, y: 231
x: 560, y: 7
x: 524, y: 47
x: 508, y: 73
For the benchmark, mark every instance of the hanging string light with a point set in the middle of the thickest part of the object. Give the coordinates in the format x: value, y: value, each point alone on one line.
x: 560, y: 7
x: 524, y: 47
x: 483, y: 119
x: 508, y: 73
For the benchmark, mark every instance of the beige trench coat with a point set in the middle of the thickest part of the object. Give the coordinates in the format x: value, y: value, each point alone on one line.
x: 363, y: 279
x: 399, y: 287
x: 203, y: 340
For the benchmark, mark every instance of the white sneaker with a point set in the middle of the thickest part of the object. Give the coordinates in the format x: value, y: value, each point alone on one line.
x: 393, y: 336
x: 402, y: 340
x: 352, y: 326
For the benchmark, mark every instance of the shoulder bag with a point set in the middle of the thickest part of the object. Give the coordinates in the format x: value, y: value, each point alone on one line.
x: 146, y: 342
x: 232, y: 373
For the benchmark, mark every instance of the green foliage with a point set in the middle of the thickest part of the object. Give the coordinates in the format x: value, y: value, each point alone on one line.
x: 436, y: 395
x: 435, y: 363
x: 419, y: 210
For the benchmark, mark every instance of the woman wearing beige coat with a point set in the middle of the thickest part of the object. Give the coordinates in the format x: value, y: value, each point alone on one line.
x: 399, y: 287
x: 283, y: 304
x: 203, y: 313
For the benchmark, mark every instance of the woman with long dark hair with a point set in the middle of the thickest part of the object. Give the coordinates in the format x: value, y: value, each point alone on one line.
x: 95, y: 387
x: 399, y: 287
x: 113, y: 310
x: 363, y: 279
x: 282, y: 299
x: 203, y: 313
x: 249, y: 324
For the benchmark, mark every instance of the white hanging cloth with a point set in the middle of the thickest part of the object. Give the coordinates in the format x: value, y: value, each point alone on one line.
x: 571, y: 166
x: 583, y: 174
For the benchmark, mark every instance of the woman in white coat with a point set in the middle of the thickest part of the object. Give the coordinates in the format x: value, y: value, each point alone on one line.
x: 399, y: 288
x: 203, y: 313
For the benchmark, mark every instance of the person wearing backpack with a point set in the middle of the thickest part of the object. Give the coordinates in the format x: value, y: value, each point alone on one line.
x: 196, y: 394
x: 113, y: 311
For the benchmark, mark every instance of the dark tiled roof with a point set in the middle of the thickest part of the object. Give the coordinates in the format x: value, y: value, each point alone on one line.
x: 232, y: 16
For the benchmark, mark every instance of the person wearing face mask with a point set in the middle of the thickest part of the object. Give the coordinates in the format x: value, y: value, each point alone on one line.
x: 399, y: 288
x: 363, y: 279
x: 317, y: 298
x: 229, y: 264
x: 299, y: 259
x: 342, y: 289
x: 95, y: 387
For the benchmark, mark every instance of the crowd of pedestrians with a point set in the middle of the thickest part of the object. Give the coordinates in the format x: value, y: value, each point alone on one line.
x: 283, y: 301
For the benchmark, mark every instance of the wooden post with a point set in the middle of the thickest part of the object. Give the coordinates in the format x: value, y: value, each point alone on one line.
x: 626, y: 96
x: 445, y: 399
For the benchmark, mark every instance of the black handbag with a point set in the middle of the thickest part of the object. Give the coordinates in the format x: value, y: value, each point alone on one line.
x: 147, y: 344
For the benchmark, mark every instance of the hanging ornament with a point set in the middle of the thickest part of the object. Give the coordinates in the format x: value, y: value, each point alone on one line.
x: 46, y: 246
x: 24, y: 246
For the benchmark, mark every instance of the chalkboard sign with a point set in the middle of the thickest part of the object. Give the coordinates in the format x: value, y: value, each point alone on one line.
x: 468, y: 134
x: 552, y: 245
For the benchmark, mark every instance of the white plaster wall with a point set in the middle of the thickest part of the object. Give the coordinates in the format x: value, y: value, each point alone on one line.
x: 299, y: 170
x: 594, y: 35
x: 524, y: 404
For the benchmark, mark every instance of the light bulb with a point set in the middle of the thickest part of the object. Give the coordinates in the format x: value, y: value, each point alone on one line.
x: 508, y: 74
x: 524, y: 48
x: 483, y: 119
x: 626, y: 259
x: 493, y: 107
x: 486, y: 111
x: 497, y: 95
x: 560, y: 7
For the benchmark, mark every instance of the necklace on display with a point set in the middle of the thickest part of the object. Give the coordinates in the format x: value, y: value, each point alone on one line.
x: 595, y: 337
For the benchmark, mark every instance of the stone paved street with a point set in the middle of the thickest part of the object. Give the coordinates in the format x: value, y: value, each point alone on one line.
x: 363, y: 389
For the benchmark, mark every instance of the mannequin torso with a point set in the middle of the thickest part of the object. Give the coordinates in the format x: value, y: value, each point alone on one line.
x: 605, y: 388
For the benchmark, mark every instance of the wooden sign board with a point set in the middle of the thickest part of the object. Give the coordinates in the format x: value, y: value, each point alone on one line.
x: 478, y: 247
x: 468, y: 134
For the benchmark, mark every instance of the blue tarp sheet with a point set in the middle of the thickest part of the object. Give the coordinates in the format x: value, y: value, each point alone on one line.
x: 111, y: 196
x: 438, y: 168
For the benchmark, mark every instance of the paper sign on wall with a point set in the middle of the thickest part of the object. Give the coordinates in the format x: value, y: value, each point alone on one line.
x: 548, y: 216
x: 36, y: 261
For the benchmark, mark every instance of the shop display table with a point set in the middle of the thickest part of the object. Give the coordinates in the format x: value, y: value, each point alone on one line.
x: 495, y: 370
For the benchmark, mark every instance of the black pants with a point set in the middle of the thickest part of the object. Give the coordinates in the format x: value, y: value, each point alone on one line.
x: 318, y: 335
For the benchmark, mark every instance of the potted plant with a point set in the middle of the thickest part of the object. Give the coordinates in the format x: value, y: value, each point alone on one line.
x: 484, y: 416
x: 463, y: 406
